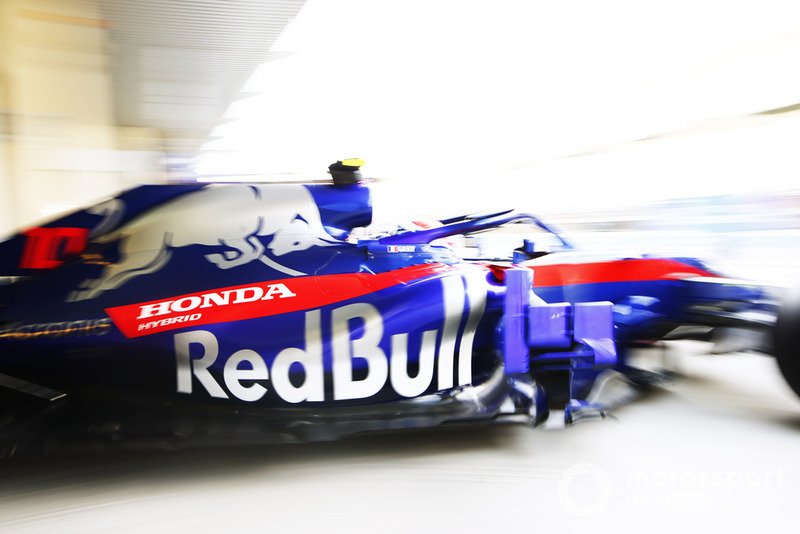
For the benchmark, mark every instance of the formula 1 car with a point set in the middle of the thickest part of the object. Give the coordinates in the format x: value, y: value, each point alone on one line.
x: 240, y: 313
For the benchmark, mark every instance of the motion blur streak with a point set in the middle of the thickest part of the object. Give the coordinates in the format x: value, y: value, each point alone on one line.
x: 662, y: 460
x: 671, y: 126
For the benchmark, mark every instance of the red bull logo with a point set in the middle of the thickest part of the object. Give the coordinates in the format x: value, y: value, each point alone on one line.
x: 445, y: 354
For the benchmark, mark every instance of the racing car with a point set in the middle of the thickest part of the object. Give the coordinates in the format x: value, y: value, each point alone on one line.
x: 241, y: 313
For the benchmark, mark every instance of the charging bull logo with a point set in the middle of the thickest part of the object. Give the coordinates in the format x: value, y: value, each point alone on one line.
x: 235, y: 217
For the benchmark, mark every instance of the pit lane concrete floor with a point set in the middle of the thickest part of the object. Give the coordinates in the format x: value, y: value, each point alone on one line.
x: 717, y: 449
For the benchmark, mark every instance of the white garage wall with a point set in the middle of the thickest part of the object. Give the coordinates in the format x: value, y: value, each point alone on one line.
x: 59, y: 145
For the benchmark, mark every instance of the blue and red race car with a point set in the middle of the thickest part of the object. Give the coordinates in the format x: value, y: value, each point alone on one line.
x: 232, y: 313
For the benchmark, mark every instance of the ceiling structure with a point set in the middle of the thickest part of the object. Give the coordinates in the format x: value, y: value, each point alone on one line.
x: 177, y: 65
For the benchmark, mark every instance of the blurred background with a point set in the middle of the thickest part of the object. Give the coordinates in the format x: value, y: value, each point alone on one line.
x: 615, y: 115
x: 671, y: 126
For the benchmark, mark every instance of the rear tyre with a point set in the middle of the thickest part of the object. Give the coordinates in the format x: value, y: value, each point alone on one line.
x: 786, y: 340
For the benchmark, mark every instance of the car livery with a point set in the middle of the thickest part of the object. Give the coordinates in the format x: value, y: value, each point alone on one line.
x: 253, y: 312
